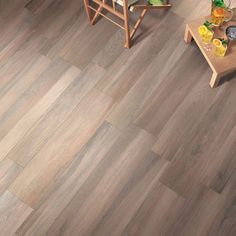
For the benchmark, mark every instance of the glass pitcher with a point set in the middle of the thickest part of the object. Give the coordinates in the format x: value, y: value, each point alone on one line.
x: 221, y: 12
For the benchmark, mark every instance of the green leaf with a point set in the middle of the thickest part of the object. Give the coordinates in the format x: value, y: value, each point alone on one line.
x: 208, y: 25
x: 225, y: 42
x: 219, y: 3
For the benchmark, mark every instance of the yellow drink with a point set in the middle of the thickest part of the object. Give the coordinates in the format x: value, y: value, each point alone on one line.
x: 221, y: 51
x: 219, y: 48
x: 206, y: 34
x: 218, y: 15
x: 221, y: 12
x: 207, y: 38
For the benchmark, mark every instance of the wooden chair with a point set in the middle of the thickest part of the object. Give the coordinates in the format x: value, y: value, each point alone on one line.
x: 122, y: 13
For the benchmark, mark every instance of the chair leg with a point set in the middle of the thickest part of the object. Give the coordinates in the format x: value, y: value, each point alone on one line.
x: 138, y: 23
x: 126, y: 21
x: 99, y: 10
x: 88, y: 10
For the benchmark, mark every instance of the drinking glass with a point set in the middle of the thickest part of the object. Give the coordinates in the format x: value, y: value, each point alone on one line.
x: 221, y: 12
x: 220, y: 49
x: 206, y: 36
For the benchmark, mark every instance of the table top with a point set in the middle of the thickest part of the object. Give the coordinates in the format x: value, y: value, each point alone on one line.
x: 219, y: 65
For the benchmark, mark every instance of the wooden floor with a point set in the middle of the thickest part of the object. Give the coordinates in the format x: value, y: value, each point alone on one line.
x: 99, y: 140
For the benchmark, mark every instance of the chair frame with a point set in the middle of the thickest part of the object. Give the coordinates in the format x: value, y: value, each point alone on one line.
x: 124, y: 16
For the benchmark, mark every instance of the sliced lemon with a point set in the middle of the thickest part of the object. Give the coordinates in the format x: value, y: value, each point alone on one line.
x: 202, y: 30
x: 217, y: 43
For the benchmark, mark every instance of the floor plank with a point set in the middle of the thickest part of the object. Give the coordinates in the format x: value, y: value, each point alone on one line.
x: 67, y: 141
x: 156, y: 217
x: 33, y: 115
x: 34, y: 140
x: 71, y: 180
x: 32, y: 96
x: 25, y: 79
x: 197, y: 215
x: 107, y: 202
x: 9, y: 170
x: 183, y: 173
x: 13, y: 213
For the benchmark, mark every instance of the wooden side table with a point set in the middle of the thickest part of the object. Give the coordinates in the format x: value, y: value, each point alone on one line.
x: 220, y: 66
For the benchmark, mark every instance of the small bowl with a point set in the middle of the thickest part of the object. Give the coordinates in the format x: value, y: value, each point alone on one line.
x: 231, y: 33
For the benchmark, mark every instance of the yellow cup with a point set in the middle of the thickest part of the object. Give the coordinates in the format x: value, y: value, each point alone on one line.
x: 206, y: 34
x: 219, y: 48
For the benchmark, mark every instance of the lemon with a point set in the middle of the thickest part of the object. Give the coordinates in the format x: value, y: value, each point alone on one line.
x: 202, y: 30
x: 217, y: 43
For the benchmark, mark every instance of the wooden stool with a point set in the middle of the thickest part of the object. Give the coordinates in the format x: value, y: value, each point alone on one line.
x: 127, y: 5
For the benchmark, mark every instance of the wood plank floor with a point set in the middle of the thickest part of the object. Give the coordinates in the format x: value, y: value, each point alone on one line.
x: 98, y: 140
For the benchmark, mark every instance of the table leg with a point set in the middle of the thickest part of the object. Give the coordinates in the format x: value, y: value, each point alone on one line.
x: 215, y: 79
x: 187, y: 36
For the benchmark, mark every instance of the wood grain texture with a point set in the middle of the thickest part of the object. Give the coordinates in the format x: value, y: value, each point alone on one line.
x: 31, y: 143
x: 198, y: 213
x: 67, y: 141
x: 99, y: 140
x: 25, y: 79
x: 32, y: 96
x: 33, y: 115
x: 117, y: 85
x: 71, y: 180
x: 183, y: 123
x: 9, y: 170
x: 108, y: 202
x: 13, y: 213
x: 198, y: 148
x: 161, y: 213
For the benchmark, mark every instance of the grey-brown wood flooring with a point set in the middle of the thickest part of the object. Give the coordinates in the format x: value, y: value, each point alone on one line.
x: 99, y: 140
